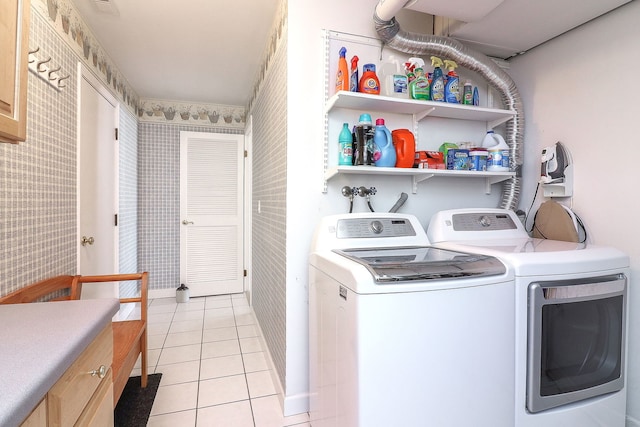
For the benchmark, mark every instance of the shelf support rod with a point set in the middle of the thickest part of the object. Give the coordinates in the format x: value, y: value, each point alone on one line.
x: 498, y: 122
x: 422, y: 114
x: 418, y: 179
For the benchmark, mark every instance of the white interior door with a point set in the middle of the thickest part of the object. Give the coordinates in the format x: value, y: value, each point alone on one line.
x: 211, y: 214
x: 97, y: 185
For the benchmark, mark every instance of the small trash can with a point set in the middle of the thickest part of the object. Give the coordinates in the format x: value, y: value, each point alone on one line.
x: 182, y: 293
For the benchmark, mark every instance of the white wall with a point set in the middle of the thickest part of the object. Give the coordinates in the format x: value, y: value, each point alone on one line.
x: 580, y: 89
x: 305, y: 201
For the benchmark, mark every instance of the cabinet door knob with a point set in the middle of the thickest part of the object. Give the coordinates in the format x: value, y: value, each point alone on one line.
x: 100, y: 372
x: 187, y: 222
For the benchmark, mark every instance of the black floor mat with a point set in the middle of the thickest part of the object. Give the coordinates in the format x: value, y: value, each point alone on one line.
x: 135, y: 403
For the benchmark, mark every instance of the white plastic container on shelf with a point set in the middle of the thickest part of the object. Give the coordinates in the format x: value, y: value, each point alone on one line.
x: 498, y: 159
x: 393, y: 81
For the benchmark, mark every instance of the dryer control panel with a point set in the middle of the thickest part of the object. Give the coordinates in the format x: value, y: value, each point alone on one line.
x: 475, y: 224
x: 482, y: 221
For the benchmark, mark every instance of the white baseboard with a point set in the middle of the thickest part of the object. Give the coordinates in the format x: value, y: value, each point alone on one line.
x: 162, y: 293
x: 291, y: 405
x: 296, y: 404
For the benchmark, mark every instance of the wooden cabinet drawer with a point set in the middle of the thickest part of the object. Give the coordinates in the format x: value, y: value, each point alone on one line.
x: 99, y: 411
x: 38, y: 417
x: 69, y: 396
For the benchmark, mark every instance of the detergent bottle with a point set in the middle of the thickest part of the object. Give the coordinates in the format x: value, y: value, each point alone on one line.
x: 363, y: 137
x: 342, y: 75
x: 452, y: 87
x: 345, y: 141
x: 437, y: 82
x: 369, y: 82
x: 498, y: 159
x: 405, y: 144
x: 353, y: 77
x: 384, y: 154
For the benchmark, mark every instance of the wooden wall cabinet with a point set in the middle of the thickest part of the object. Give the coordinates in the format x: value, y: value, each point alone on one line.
x: 14, y: 45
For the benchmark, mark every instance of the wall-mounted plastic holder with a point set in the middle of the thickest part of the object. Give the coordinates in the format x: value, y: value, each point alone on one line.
x: 50, y: 73
x: 563, y: 187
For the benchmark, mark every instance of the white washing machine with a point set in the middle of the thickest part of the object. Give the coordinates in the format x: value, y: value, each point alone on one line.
x: 404, y: 334
x: 571, y: 318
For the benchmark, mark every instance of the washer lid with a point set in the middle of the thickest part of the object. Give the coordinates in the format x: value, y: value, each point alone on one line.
x: 410, y: 263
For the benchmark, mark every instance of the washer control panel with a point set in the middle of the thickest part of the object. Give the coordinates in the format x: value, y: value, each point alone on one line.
x: 353, y: 228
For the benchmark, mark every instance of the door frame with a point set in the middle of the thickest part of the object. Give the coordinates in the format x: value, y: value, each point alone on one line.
x: 85, y: 73
x: 248, y: 214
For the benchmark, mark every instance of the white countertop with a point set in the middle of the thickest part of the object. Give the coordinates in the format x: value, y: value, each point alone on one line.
x: 38, y: 343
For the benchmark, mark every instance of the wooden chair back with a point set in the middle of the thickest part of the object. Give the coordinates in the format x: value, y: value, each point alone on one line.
x: 43, y: 291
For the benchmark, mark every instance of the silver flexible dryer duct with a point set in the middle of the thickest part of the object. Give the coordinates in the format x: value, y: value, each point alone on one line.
x: 423, y: 44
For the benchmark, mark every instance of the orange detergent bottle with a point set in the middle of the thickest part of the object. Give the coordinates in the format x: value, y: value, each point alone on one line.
x: 342, y: 75
x: 369, y: 82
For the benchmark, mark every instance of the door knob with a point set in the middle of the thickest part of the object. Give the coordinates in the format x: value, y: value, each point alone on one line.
x: 86, y: 240
x: 187, y: 222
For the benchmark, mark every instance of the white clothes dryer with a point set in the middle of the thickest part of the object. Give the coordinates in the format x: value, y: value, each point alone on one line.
x: 570, y: 318
x: 405, y: 334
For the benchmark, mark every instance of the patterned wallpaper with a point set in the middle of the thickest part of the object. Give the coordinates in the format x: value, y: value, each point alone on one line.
x: 128, y: 198
x: 38, y: 178
x: 269, y: 115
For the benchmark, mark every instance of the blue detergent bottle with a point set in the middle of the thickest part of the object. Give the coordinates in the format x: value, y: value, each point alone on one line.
x: 384, y: 154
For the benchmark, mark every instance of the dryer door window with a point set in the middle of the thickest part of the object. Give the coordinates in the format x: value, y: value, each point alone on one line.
x: 576, y: 340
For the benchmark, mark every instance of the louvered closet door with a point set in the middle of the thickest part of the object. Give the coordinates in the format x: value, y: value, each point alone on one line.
x: 211, y: 216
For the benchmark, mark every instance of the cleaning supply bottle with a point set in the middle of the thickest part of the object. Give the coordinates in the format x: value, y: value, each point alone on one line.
x: 369, y: 82
x: 363, y: 136
x: 345, y: 140
x: 353, y: 77
x: 498, y: 159
x: 437, y: 82
x: 384, y: 154
x: 392, y: 81
x: 419, y: 87
x: 452, y: 86
x: 467, y: 93
x: 342, y: 75
x: 410, y: 68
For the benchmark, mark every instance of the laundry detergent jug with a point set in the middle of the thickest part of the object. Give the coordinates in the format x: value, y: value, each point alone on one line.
x: 405, y: 145
x: 498, y: 160
x: 384, y: 154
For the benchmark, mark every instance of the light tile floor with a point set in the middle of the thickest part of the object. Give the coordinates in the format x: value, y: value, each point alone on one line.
x: 214, y: 370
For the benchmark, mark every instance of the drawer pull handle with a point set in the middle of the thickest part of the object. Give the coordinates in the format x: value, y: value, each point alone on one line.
x: 100, y: 372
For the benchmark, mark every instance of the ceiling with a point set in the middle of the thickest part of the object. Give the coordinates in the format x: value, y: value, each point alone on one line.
x: 193, y: 51
x: 505, y: 28
x: 210, y: 51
